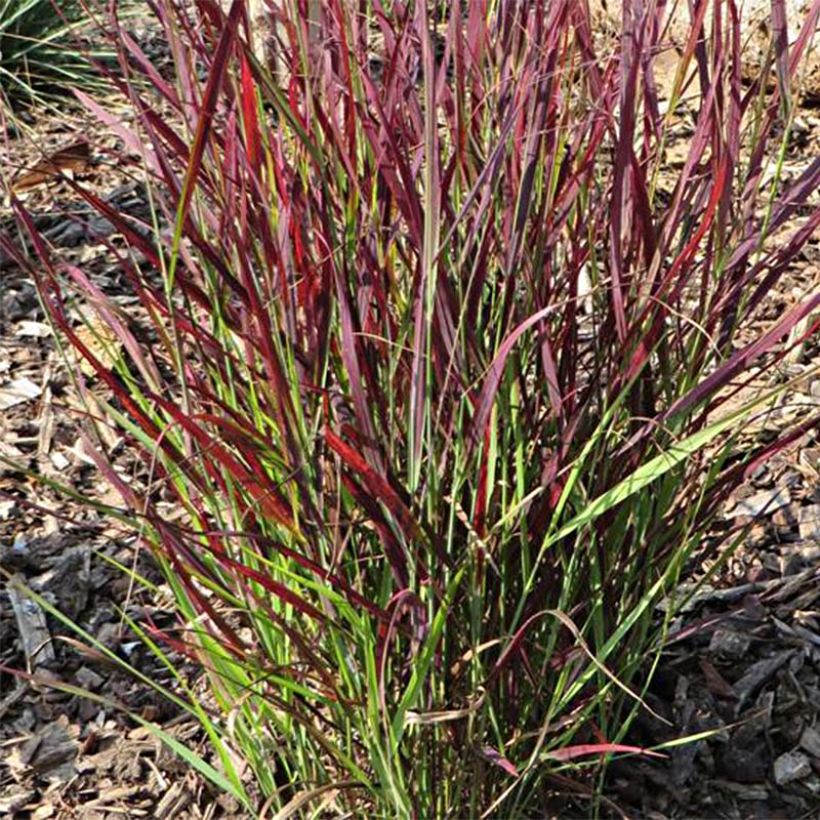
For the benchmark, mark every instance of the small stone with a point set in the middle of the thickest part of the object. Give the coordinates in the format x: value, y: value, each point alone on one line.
x: 810, y: 741
x: 766, y: 502
x: 791, y: 766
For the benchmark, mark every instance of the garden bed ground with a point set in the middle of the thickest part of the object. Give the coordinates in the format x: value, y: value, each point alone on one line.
x: 743, y: 659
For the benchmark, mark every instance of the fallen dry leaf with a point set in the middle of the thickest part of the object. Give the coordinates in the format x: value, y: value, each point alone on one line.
x: 72, y: 158
x: 102, y: 342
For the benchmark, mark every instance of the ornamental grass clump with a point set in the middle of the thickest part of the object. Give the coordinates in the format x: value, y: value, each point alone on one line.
x: 44, y: 49
x: 443, y: 370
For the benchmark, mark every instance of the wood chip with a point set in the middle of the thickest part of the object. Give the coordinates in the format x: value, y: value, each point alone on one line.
x: 12, y: 698
x: 810, y: 741
x: 715, y: 682
x: 18, y: 391
x: 791, y: 766
x: 173, y: 802
x: 50, y: 752
x: 757, y: 675
x: 31, y: 623
x: 763, y: 503
x: 15, y: 799
x: 809, y: 519
x: 729, y: 644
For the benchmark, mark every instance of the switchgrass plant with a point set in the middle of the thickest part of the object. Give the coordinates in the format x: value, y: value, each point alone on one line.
x: 44, y: 49
x: 443, y: 370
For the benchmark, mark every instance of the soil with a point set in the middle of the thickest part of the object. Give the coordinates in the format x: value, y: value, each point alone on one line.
x: 740, y: 668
